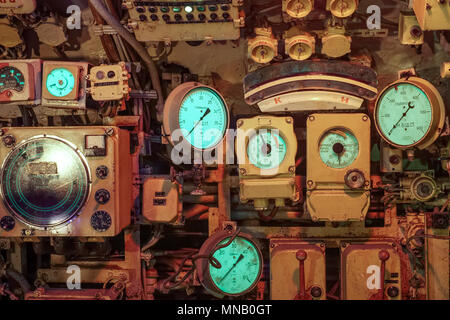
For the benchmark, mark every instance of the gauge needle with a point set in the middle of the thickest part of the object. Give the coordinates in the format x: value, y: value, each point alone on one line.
x: 410, y: 106
x: 203, y: 116
x: 232, y: 267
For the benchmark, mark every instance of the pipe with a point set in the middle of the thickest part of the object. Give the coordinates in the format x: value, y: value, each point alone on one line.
x: 20, y: 279
x: 140, y: 50
x: 195, y: 211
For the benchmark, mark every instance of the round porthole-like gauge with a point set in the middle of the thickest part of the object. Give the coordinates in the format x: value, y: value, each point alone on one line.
x: 45, y: 181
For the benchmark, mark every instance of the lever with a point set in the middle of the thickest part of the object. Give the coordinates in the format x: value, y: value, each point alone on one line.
x: 302, y: 294
x: 383, y: 255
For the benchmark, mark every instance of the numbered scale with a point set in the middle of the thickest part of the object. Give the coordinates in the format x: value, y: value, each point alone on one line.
x: 240, y: 260
x: 196, y: 114
x: 266, y: 147
x: 410, y: 113
x: 338, y: 166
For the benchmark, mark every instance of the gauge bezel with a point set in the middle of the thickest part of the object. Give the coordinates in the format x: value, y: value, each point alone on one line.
x: 437, y: 112
x: 203, y: 265
x: 343, y: 129
x: 172, y: 108
x: 88, y: 184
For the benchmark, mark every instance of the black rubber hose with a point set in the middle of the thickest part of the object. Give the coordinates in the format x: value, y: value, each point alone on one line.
x: 138, y: 47
x: 20, y: 279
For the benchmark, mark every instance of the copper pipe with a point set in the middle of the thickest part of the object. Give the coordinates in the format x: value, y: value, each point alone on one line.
x: 195, y: 211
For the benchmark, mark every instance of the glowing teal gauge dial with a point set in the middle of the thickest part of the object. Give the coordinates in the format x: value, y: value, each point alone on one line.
x: 60, y: 82
x: 266, y: 149
x: 338, y: 148
x: 403, y: 114
x: 241, y: 266
x: 203, y: 117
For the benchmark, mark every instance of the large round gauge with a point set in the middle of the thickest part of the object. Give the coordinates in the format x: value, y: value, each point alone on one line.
x: 338, y: 148
x: 240, y: 261
x: 199, y: 112
x: 60, y: 82
x: 11, y: 79
x: 45, y: 181
x: 409, y: 113
x: 266, y: 149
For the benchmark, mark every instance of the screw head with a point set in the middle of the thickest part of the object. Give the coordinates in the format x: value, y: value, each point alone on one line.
x: 316, y: 292
x: 392, y: 291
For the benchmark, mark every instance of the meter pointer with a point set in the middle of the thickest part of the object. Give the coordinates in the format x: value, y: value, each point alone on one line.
x: 410, y: 106
x: 241, y: 256
x: 203, y: 116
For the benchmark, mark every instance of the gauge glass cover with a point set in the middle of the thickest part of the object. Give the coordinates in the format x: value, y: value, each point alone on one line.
x: 44, y: 182
x: 240, y: 266
x: 404, y: 114
x: 338, y: 148
x: 266, y: 149
x: 60, y: 82
x: 203, y: 118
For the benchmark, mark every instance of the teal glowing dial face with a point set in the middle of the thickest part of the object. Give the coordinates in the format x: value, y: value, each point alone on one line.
x: 266, y: 149
x: 403, y: 114
x: 241, y: 265
x: 11, y: 79
x: 203, y: 118
x: 60, y: 82
x: 338, y: 148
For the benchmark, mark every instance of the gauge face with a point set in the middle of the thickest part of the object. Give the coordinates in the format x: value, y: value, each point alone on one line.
x: 11, y: 79
x: 262, y: 53
x: 338, y: 148
x: 241, y: 265
x: 299, y: 8
x: 203, y: 118
x: 403, y: 114
x: 44, y: 182
x: 60, y: 82
x: 266, y: 149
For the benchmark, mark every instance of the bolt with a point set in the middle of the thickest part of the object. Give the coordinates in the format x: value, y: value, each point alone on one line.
x: 109, y: 132
x: 311, y: 118
x: 316, y: 292
x: 394, y: 159
x: 239, y: 123
x: 365, y: 118
x: 9, y: 140
x: 291, y: 169
x: 310, y: 182
x: 288, y: 120
x: 242, y: 171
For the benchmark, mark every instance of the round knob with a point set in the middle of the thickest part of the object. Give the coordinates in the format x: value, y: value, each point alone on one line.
x: 354, y: 179
x: 383, y: 255
x: 316, y: 292
x: 102, y: 172
x: 392, y: 292
x: 301, y: 255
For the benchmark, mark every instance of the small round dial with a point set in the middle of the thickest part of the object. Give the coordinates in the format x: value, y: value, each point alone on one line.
x: 266, y: 149
x: 338, y: 148
x: 203, y: 117
x: 60, y: 82
x: 7, y: 223
x: 11, y: 79
x: 404, y: 114
x: 299, y: 8
x: 101, y: 221
x: 343, y: 8
x: 262, y: 52
x: 102, y: 196
x: 241, y: 265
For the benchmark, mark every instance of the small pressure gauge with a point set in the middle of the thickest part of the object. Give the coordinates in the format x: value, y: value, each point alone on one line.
x: 266, y: 149
x: 241, y: 264
x: 343, y: 8
x: 60, y: 82
x: 299, y: 8
x: 409, y: 113
x: 199, y: 112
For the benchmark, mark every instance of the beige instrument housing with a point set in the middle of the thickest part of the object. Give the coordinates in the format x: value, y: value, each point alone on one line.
x: 118, y: 181
x: 409, y: 31
x: 109, y: 88
x: 260, y: 185
x: 432, y: 15
x: 17, y: 6
x: 328, y: 198
x: 263, y: 47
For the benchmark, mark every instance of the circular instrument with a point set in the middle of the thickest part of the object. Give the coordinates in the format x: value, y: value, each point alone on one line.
x: 60, y: 82
x: 299, y: 8
x: 240, y: 261
x: 423, y: 188
x: 266, y: 149
x: 338, y: 148
x: 262, y: 51
x: 45, y: 181
x: 343, y: 8
x: 101, y: 221
x: 11, y: 79
x: 199, y: 112
x: 409, y: 113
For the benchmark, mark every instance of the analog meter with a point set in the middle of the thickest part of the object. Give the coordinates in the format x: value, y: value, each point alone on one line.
x: 240, y: 266
x: 299, y: 8
x: 343, y: 8
x: 266, y: 149
x: 199, y: 112
x: 11, y: 78
x: 409, y: 113
x: 60, y: 82
x: 338, y: 148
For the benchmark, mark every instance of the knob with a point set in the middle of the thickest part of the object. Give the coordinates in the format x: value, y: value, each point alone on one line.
x: 102, y: 172
x: 102, y: 196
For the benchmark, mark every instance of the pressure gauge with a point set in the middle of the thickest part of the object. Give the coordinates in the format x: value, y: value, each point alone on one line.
x: 338, y: 148
x: 60, y: 82
x: 299, y: 8
x: 263, y: 47
x: 409, y: 113
x: 343, y: 8
x: 266, y: 149
x: 199, y: 112
x: 241, y: 264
